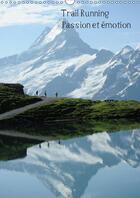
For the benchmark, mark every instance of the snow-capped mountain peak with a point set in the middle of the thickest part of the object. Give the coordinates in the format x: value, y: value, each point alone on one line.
x: 127, y: 49
x: 48, y: 36
x: 59, y: 60
x: 122, y: 57
x: 40, y: 40
x: 59, y: 42
x: 124, y: 53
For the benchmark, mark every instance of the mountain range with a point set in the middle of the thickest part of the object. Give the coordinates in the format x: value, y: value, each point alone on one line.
x: 67, y: 169
x: 60, y: 61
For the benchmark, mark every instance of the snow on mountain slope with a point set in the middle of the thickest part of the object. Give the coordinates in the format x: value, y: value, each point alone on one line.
x: 67, y: 168
x: 92, y: 84
x: 53, y: 58
x: 40, y: 40
x: 95, y: 78
x: 59, y: 61
x: 122, y: 77
x: 41, y: 78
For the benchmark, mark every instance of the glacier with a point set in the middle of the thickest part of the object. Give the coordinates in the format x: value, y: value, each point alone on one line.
x: 60, y: 61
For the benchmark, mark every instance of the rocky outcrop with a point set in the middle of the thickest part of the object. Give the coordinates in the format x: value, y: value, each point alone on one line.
x: 16, y: 88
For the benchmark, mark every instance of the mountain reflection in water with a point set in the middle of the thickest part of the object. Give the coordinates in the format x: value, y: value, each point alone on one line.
x: 93, y: 166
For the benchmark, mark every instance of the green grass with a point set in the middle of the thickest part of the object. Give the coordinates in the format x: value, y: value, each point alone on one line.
x: 68, y: 110
x: 13, y: 148
x: 67, y: 130
x: 10, y: 100
x: 79, y: 109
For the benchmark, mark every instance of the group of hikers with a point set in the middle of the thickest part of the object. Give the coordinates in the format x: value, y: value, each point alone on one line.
x: 59, y: 142
x: 45, y: 94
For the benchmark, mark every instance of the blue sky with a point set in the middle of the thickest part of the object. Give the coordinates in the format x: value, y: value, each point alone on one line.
x: 17, y: 32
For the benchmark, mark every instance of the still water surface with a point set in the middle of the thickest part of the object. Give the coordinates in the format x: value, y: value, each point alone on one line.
x: 95, y: 166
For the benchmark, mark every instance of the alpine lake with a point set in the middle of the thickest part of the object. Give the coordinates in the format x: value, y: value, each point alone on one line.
x: 101, y: 160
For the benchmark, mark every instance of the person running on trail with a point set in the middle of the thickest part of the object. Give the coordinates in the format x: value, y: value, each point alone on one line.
x: 56, y: 94
x: 45, y: 93
x: 37, y: 93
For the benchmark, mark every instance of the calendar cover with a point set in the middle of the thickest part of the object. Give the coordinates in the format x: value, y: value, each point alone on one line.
x: 69, y: 99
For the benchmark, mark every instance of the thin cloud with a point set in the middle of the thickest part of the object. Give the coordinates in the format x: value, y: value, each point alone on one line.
x: 31, y: 14
x: 26, y: 14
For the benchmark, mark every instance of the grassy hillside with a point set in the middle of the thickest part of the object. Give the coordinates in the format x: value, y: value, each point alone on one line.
x: 10, y: 100
x: 13, y: 148
x: 77, y: 110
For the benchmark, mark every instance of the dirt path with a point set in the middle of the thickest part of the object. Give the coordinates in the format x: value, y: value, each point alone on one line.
x: 13, y: 113
x: 11, y: 133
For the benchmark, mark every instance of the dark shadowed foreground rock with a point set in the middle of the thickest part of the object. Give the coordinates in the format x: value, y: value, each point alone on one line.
x: 17, y: 88
x: 12, y: 97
